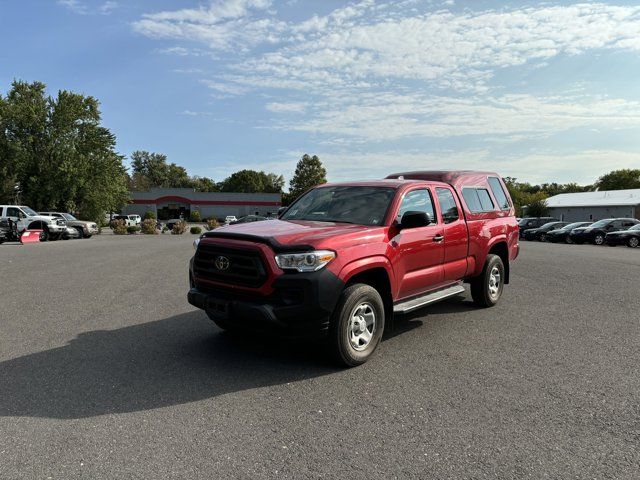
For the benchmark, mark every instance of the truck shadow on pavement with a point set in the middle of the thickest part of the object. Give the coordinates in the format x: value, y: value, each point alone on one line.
x: 157, y: 364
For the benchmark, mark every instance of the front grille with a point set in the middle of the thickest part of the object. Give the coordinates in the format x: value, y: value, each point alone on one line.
x: 245, y: 266
x: 62, y: 223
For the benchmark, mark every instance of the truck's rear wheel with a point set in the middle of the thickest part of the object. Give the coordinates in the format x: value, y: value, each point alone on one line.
x: 357, y: 324
x: 486, y: 288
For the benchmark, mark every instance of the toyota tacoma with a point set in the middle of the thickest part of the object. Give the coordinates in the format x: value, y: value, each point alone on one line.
x: 345, y: 257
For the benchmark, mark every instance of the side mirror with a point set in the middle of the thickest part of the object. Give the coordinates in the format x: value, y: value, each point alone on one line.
x: 281, y: 210
x: 412, y: 219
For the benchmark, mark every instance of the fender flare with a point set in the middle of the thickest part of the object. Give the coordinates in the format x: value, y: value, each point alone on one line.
x: 502, y: 238
x: 362, y: 264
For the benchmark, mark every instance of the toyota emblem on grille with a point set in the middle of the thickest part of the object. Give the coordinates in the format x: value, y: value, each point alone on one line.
x: 222, y: 263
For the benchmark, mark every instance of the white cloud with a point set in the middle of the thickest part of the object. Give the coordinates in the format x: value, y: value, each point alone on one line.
x: 371, y: 73
x: 536, y: 167
x: 81, y: 8
x: 287, y: 107
x: 378, y: 117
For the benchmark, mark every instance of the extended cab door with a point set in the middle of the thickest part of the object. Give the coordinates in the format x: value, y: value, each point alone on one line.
x: 456, y: 236
x: 18, y: 216
x: 419, y: 251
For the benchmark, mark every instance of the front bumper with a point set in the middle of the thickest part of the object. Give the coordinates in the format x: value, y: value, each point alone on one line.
x: 556, y: 237
x: 581, y: 236
x: 300, y: 304
x: 616, y: 239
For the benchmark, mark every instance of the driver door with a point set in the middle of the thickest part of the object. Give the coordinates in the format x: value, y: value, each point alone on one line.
x: 419, y: 251
x: 18, y: 216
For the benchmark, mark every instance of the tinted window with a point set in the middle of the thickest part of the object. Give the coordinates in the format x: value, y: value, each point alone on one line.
x: 448, y: 207
x: 349, y: 204
x: 13, y: 212
x: 477, y: 199
x: 417, y: 201
x: 498, y: 193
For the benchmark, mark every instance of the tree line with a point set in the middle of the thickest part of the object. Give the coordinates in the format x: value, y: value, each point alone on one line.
x: 56, y: 155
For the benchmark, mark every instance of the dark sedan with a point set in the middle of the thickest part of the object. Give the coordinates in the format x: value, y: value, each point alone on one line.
x: 630, y: 238
x: 597, y: 232
x: 540, y: 233
x: 562, y: 234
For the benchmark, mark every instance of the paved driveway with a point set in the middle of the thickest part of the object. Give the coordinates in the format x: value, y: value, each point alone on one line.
x: 107, y: 372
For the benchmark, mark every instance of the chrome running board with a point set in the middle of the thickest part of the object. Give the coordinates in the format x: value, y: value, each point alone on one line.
x: 415, y: 303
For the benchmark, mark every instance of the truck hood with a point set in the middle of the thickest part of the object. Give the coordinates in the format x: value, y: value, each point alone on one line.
x: 300, y: 232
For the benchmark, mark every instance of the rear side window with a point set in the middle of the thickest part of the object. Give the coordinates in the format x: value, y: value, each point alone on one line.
x: 477, y: 199
x: 498, y: 193
x: 448, y: 207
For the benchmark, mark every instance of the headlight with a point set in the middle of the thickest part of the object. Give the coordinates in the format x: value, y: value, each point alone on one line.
x: 305, y: 262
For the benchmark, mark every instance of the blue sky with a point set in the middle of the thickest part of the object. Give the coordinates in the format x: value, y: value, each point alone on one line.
x: 540, y: 91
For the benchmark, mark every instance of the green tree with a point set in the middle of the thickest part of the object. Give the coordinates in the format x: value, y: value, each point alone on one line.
x: 55, y: 153
x: 537, y: 208
x: 619, y: 180
x: 204, y: 184
x: 251, y: 181
x: 309, y: 173
x: 152, y: 170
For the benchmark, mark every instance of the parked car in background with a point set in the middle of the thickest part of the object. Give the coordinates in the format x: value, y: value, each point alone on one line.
x: 84, y: 228
x: 230, y: 219
x: 540, y: 233
x: 28, y: 219
x: 533, y: 222
x: 562, y: 234
x: 129, y: 220
x: 249, y: 219
x: 630, y: 237
x: 70, y: 233
x: 597, y: 232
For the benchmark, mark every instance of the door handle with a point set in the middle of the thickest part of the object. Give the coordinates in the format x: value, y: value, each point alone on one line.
x: 438, y: 238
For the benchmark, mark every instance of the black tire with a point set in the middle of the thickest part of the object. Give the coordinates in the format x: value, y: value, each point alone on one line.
x: 80, y: 232
x: 482, y: 286
x: 598, y: 239
x: 220, y: 322
x: 543, y: 237
x: 44, y: 235
x: 568, y: 240
x: 342, y: 329
x: 633, y: 242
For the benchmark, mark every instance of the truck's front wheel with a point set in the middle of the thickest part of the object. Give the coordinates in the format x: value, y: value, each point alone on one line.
x: 486, y: 288
x: 357, y: 324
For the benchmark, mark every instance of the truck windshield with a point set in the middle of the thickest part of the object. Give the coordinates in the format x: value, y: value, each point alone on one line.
x: 363, y: 205
x: 69, y: 217
x: 29, y: 212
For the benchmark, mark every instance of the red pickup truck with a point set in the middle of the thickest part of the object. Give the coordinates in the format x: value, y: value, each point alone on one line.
x: 345, y: 257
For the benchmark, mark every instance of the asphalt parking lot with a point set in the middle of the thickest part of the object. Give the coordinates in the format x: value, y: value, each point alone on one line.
x: 107, y: 372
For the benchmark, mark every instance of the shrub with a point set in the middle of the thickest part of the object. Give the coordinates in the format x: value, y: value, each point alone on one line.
x: 133, y: 229
x: 165, y: 229
x: 118, y: 227
x: 195, y: 216
x: 196, y: 230
x: 212, y: 223
x: 179, y: 228
x: 149, y: 214
x: 149, y: 226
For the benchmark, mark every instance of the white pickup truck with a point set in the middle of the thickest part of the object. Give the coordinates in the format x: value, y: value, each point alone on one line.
x: 27, y: 218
